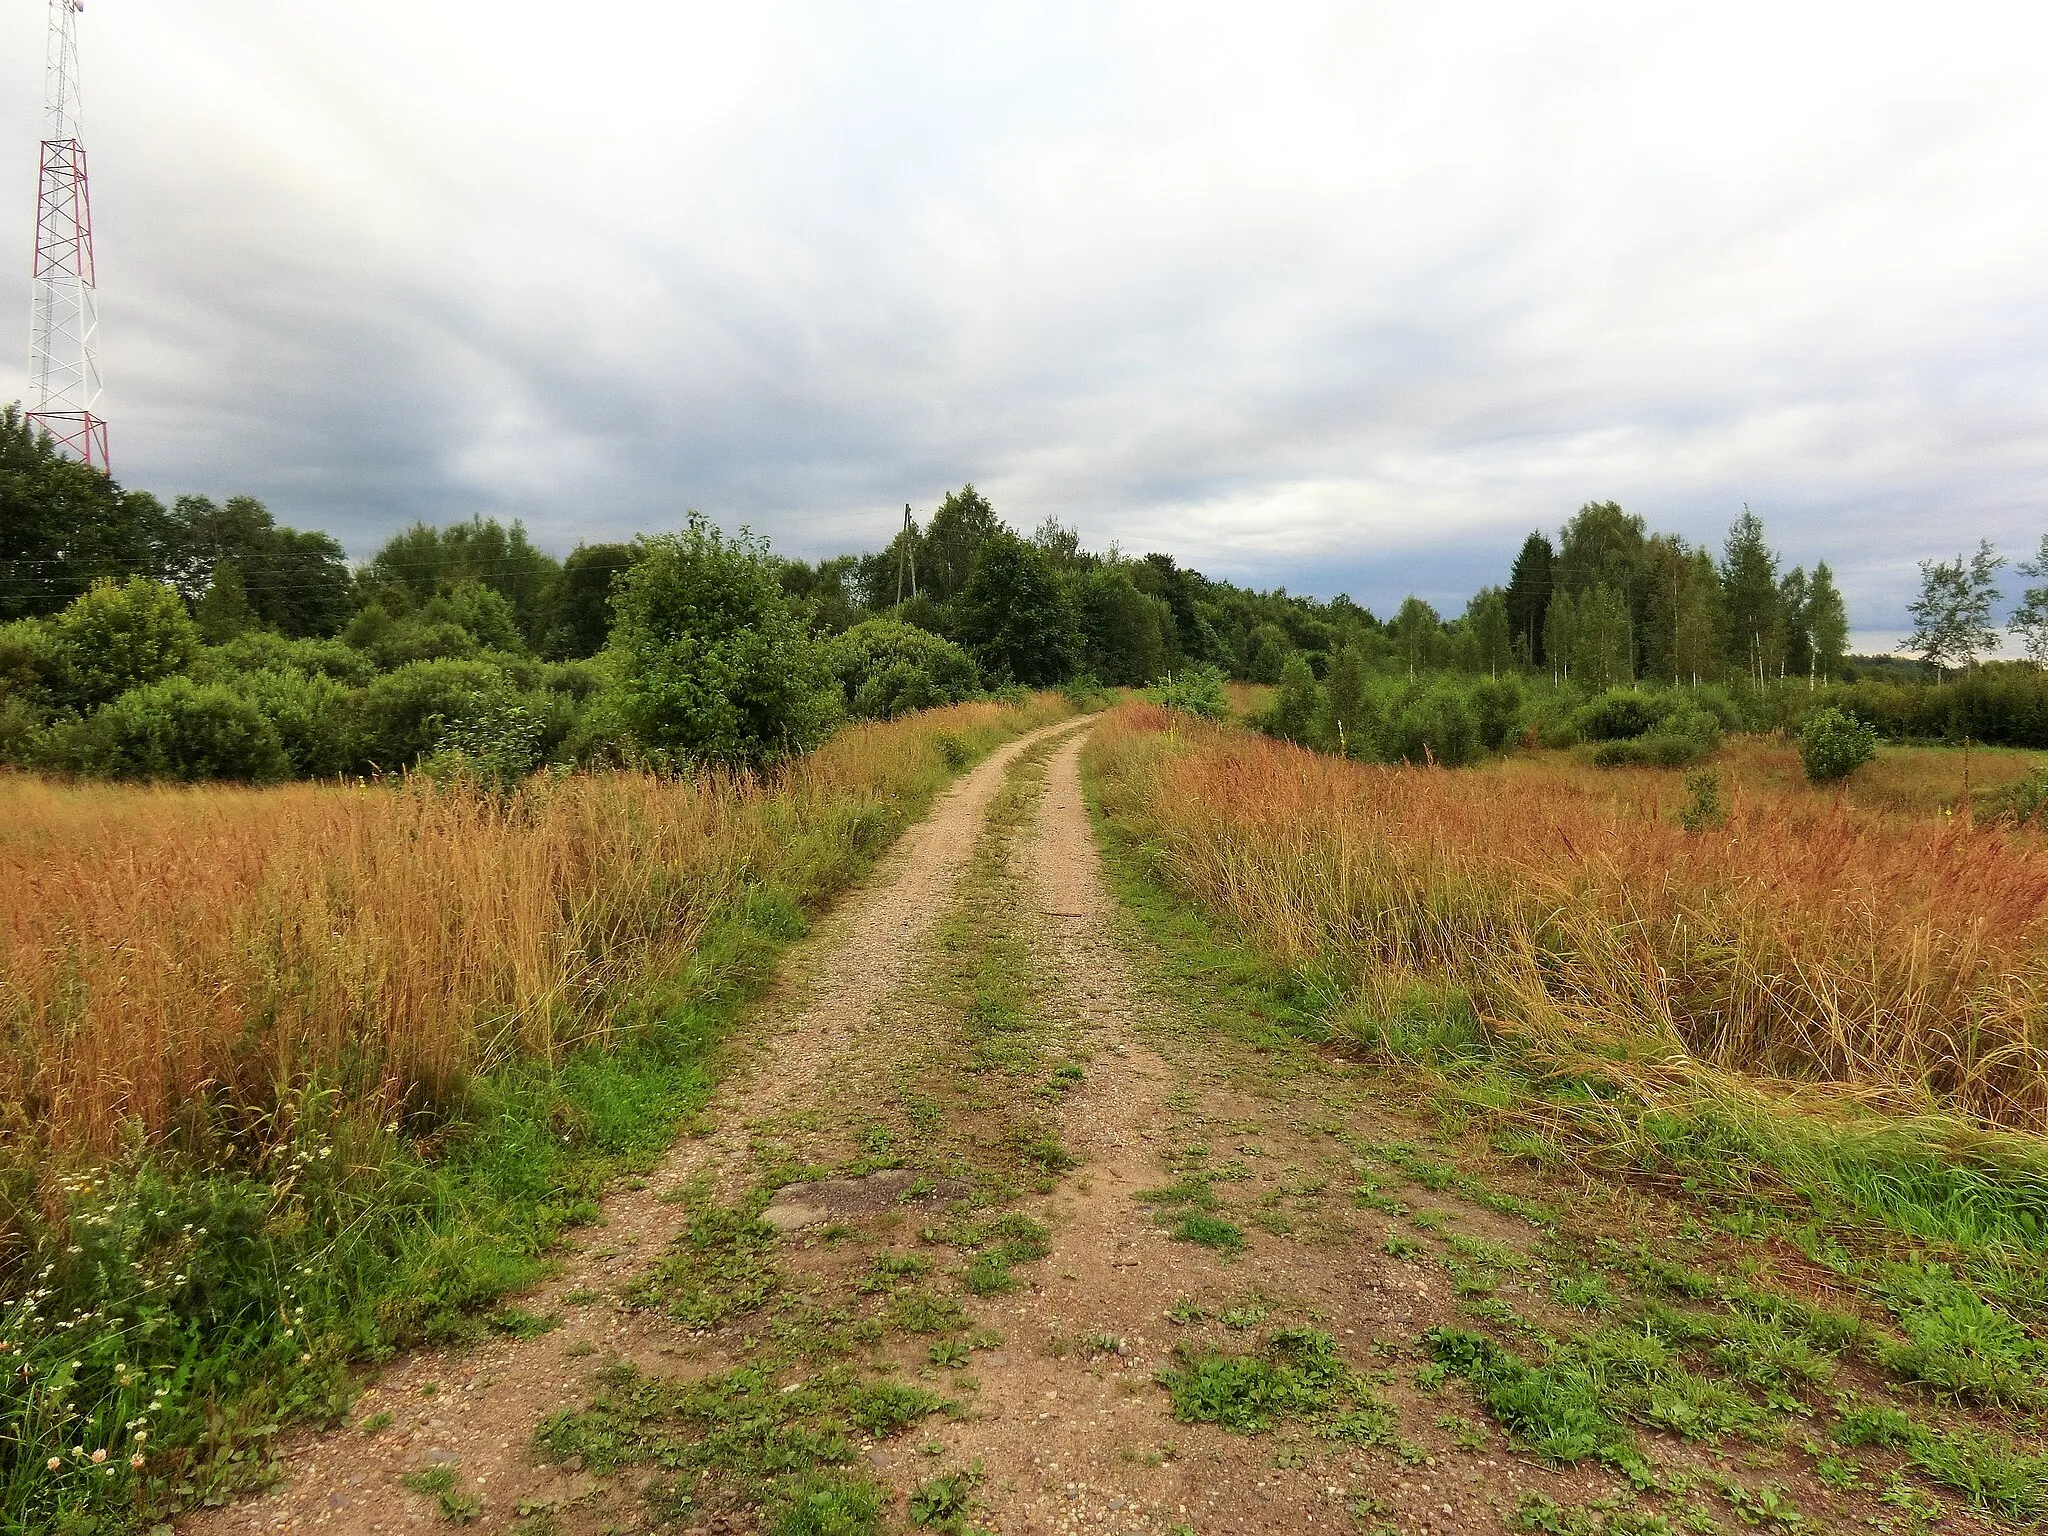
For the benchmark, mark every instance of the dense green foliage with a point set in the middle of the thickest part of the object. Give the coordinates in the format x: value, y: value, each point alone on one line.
x: 1833, y: 745
x: 1195, y: 691
x: 2001, y: 704
x: 116, y: 638
x: 1018, y: 614
x: 713, y: 662
x: 176, y: 729
x: 122, y: 683
x: 1703, y: 641
x: 887, y: 668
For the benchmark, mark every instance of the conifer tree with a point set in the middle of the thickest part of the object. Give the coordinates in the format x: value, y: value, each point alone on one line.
x: 1749, y: 586
x: 1528, y: 596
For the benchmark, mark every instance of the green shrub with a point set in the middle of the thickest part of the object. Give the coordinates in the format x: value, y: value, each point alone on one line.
x: 1620, y: 714
x: 1084, y: 691
x: 1196, y: 690
x: 1677, y: 741
x: 28, y: 661
x: 1704, y: 810
x: 175, y: 729
x: 1432, y: 723
x: 1551, y: 717
x: 115, y: 638
x: 2018, y: 804
x: 1347, y: 717
x: 1269, y: 651
x: 487, y: 615
x: 578, y: 680
x: 1833, y: 745
x: 314, y: 716
x: 1715, y: 700
x: 22, y: 732
x: 391, y: 643
x: 1294, y: 707
x: 887, y: 668
x: 405, y: 714
x: 265, y: 650
x: 1497, y: 707
x: 714, y: 661
x: 2002, y: 704
x: 495, y: 745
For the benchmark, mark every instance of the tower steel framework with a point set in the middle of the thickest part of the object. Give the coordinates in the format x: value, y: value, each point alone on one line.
x: 63, y: 346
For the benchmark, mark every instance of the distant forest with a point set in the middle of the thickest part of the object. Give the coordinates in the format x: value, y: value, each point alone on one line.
x: 1607, y: 602
x: 204, y: 639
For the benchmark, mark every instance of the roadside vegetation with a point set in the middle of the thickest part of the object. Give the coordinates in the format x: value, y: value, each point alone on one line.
x: 1788, y: 1062
x: 1590, y: 922
x: 299, y: 1076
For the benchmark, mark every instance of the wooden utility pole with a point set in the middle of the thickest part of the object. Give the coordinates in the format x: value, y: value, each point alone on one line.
x: 906, y: 556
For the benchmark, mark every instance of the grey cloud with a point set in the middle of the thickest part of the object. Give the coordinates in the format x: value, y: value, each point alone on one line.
x: 1334, y: 299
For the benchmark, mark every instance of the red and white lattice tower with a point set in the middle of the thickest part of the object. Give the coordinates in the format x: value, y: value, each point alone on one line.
x: 63, y: 344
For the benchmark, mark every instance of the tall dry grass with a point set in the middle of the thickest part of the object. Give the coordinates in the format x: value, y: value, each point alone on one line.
x: 1808, y: 939
x: 172, y: 952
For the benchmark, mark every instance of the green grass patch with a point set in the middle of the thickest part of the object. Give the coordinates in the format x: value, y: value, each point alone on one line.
x: 1958, y: 1342
x: 1558, y: 1413
x: 1187, y: 1207
x: 829, y: 1504
x: 923, y: 1311
x: 889, y: 1271
x: 988, y: 1274
x: 1992, y: 1471
x: 1298, y: 1375
x: 780, y: 1447
x: 720, y: 1266
x: 455, y: 1505
x: 1213, y: 1232
x: 944, y: 1504
x: 1012, y: 1236
x: 1191, y: 1192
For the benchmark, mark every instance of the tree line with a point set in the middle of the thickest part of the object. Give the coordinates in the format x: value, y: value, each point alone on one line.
x: 1611, y: 603
x: 469, y: 638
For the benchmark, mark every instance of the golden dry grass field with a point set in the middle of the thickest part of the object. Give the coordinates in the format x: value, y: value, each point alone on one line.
x: 167, y: 950
x: 1864, y: 943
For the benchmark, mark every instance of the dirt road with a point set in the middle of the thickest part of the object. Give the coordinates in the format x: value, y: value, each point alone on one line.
x: 476, y: 1409
x: 1041, y: 1226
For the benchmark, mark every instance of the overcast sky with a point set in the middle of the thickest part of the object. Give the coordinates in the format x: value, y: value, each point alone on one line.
x: 1344, y: 297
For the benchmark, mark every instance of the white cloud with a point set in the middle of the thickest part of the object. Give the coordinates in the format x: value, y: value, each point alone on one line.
x: 1336, y: 295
